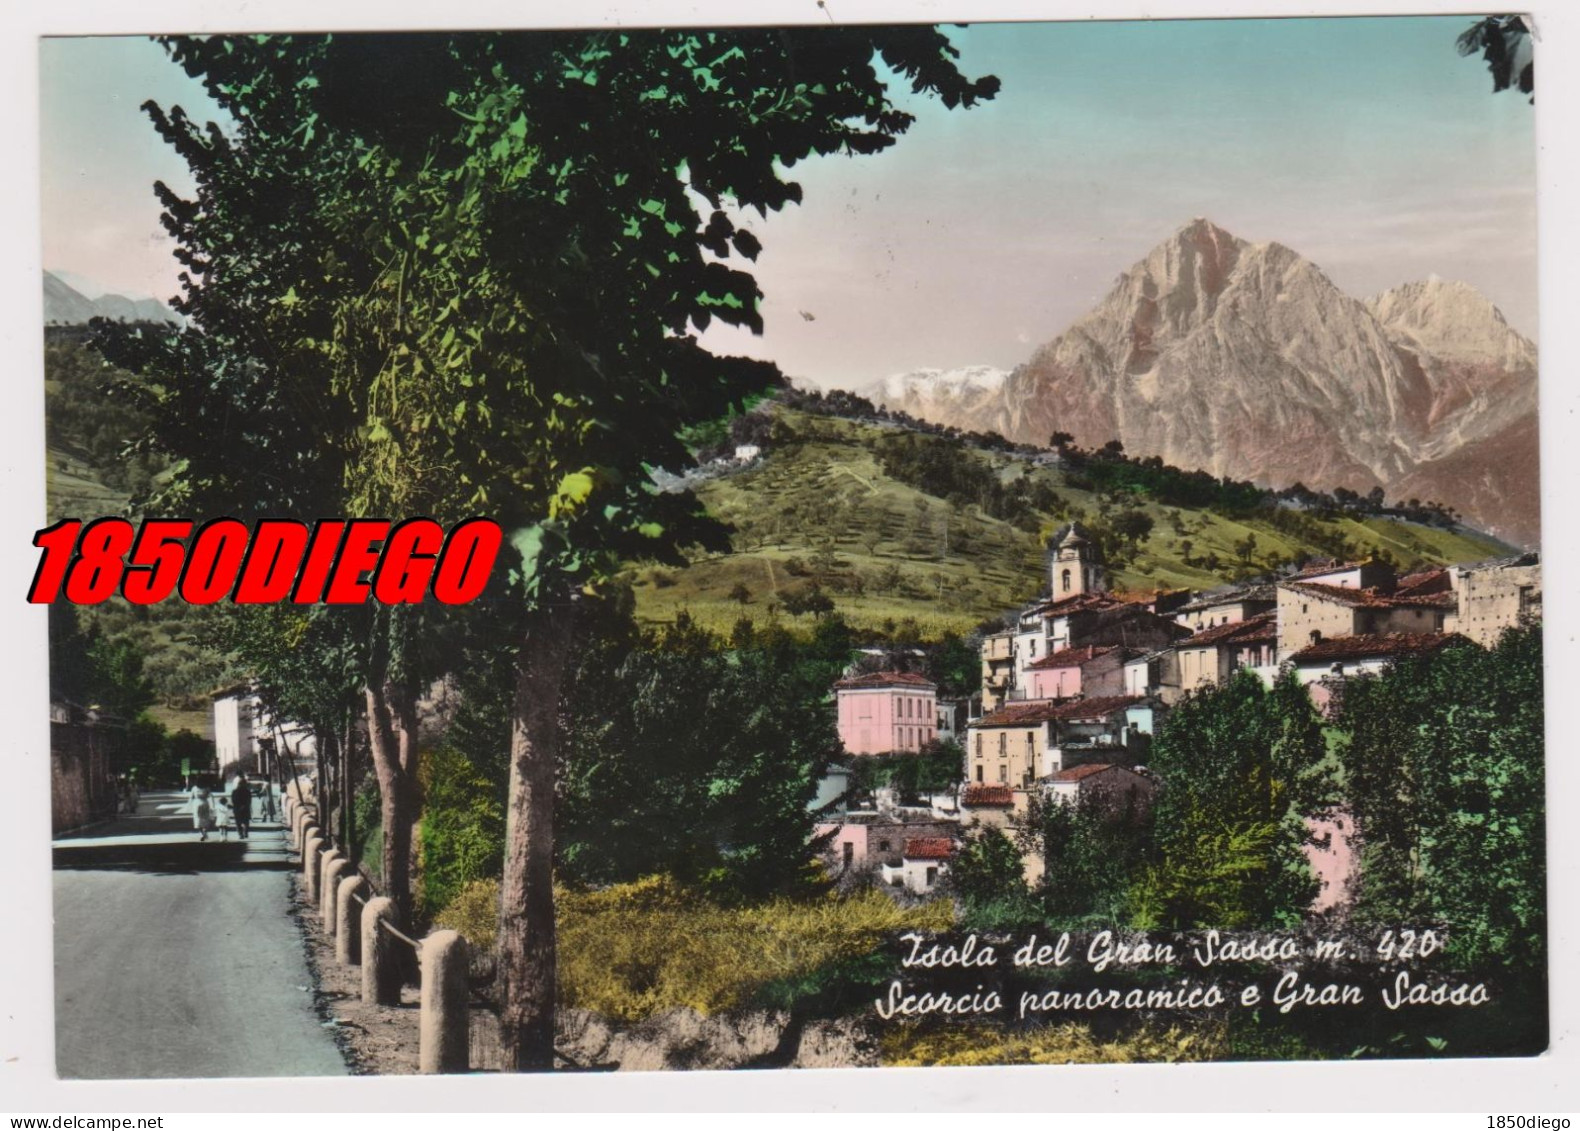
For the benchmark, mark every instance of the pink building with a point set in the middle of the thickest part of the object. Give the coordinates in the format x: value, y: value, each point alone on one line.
x: 883, y: 712
x: 1091, y: 670
x: 1332, y: 853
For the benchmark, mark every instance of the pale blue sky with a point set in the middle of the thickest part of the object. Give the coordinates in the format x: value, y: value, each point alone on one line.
x: 1368, y: 145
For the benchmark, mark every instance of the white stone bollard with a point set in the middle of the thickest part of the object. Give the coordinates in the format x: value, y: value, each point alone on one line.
x: 348, y: 921
x: 442, y: 1028
x: 335, y: 868
x: 380, y: 963
x: 312, y: 863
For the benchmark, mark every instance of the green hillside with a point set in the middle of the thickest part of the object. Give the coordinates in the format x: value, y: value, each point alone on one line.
x: 818, y: 512
x: 906, y: 534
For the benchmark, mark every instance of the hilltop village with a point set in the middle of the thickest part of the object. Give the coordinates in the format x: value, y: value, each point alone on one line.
x: 1072, y: 693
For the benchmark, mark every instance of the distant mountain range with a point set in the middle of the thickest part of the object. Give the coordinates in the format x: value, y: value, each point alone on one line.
x: 1245, y: 360
x: 64, y: 305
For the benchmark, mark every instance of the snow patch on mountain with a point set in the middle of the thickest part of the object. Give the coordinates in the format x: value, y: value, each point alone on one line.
x: 938, y: 383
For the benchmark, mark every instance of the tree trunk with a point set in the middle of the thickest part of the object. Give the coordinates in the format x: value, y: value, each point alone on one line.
x: 527, y: 967
x: 322, y: 798
x: 397, y: 793
x: 328, y: 752
x: 403, y: 717
x: 348, y: 763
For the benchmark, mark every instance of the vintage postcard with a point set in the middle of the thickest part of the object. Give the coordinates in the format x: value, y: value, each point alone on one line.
x: 821, y: 546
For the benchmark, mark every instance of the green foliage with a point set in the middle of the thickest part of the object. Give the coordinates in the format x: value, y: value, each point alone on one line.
x: 937, y: 767
x: 701, y: 762
x: 1092, y: 856
x: 367, y: 821
x: 84, y: 418
x: 1071, y: 1043
x: 637, y: 949
x: 955, y: 665
x: 473, y: 910
x: 814, y: 489
x: 950, y: 469
x: 987, y: 874
x: 1444, y: 774
x: 1240, y: 767
x: 463, y: 826
x: 94, y: 670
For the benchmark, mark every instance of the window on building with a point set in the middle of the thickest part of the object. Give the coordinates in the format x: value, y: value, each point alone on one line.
x: 1066, y: 581
x: 1003, y: 774
x: 1003, y: 745
x: 979, y: 773
x: 850, y: 853
x: 883, y: 846
x: 932, y: 874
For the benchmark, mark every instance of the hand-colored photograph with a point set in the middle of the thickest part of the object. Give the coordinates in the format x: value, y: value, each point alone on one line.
x: 1020, y: 546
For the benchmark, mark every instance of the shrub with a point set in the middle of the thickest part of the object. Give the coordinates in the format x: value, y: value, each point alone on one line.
x: 637, y: 949
x: 474, y: 911
x: 913, y: 1047
x: 463, y: 825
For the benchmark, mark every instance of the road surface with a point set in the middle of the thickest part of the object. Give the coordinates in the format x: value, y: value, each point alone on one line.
x: 180, y: 958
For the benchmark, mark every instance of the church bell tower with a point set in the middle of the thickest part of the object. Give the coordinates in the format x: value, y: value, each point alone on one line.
x: 1076, y: 566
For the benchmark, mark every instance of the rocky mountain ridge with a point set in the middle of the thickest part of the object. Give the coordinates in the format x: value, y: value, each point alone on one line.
x: 64, y: 305
x: 1245, y: 360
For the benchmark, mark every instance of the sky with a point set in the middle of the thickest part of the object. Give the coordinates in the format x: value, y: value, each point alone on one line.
x: 1368, y: 145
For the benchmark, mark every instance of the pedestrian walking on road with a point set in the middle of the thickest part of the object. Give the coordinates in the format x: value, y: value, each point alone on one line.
x: 202, y: 806
x: 241, y: 805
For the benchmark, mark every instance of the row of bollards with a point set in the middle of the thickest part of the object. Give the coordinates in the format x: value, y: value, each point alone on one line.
x: 369, y: 939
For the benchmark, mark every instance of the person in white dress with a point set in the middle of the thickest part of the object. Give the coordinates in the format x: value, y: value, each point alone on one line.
x: 203, y: 810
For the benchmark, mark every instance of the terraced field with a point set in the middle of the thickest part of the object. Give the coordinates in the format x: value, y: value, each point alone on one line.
x: 818, y: 509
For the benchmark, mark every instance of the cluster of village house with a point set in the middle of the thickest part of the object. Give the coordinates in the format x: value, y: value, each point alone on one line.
x: 1071, y: 695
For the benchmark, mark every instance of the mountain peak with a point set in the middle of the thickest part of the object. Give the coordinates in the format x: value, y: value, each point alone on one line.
x: 1201, y: 226
x: 64, y: 304
x: 1451, y: 319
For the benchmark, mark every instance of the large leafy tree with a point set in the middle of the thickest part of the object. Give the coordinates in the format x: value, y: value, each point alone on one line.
x: 1443, y: 770
x: 1241, y: 769
x: 464, y: 274
x: 686, y: 759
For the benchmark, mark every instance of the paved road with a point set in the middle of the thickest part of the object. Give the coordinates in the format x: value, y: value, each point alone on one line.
x: 179, y: 958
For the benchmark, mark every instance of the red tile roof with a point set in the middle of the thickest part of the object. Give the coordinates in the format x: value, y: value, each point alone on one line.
x: 987, y: 795
x: 1230, y: 597
x: 1070, y: 657
x: 1372, y: 647
x: 1099, y: 708
x: 1252, y: 630
x: 1081, y: 602
x: 1333, y: 566
x: 1422, y: 582
x: 886, y: 679
x: 1023, y: 713
x: 1081, y: 773
x: 1029, y: 712
x: 1371, y: 598
x: 929, y: 848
